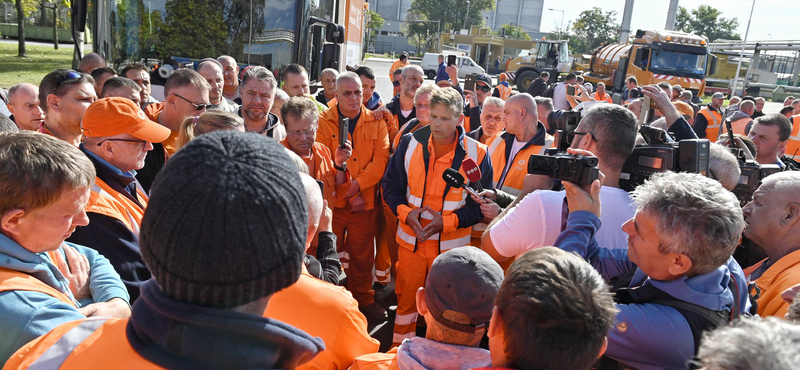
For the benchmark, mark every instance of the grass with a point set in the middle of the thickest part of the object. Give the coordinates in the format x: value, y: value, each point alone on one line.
x: 40, y: 61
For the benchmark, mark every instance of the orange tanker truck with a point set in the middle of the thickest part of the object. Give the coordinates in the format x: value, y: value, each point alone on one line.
x: 654, y: 56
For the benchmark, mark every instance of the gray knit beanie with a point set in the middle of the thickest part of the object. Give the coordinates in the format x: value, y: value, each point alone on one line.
x: 227, y: 221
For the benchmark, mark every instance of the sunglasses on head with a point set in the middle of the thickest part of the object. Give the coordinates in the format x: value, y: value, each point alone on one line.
x: 69, y: 76
x: 196, y: 106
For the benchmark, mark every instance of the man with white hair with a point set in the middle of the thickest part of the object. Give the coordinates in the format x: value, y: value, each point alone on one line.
x: 709, y: 120
x: 328, y: 80
x: 723, y: 166
x: 752, y: 344
x: 677, y: 278
x: 773, y: 222
x: 354, y: 211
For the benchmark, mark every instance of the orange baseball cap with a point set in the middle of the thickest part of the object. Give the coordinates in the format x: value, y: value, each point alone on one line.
x: 683, y: 108
x: 117, y: 116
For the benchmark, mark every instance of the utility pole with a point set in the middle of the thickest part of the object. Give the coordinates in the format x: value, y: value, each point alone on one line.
x: 741, y: 54
x: 466, y: 17
x: 672, y: 13
x: 625, y: 28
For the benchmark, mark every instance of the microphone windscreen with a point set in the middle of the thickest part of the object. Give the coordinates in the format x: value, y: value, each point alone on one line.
x: 471, y: 169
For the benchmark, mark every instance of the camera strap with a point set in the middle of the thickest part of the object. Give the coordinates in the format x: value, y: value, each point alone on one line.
x: 564, y: 213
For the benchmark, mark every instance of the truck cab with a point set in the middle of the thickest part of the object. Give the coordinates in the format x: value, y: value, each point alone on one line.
x: 654, y: 56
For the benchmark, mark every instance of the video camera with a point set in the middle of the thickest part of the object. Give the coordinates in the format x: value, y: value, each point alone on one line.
x: 565, y: 122
x: 576, y: 169
x: 752, y: 172
x: 661, y: 155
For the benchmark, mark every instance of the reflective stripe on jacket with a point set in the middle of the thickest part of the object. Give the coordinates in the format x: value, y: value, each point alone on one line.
x: 17, y: 280
x: 414, y: 180
x: 793, y: 146
x: 714, y: 120
x: 510, y: 181
x: 108, y: 202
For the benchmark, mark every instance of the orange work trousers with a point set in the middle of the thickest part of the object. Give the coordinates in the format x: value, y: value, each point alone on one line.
x: 412, y: 270
x: 355, y: 242
x: 386, y: 246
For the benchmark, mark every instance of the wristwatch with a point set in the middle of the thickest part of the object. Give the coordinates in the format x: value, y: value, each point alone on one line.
x: 342, y: 168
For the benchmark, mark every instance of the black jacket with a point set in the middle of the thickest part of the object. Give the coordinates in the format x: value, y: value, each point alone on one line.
x: 537, y: 87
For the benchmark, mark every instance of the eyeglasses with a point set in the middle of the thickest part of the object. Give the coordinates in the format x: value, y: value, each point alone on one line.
x: 141, y: 142
x: 396, y: 83
x: 196, y: 106
x: 483, y: 88
x: 571, y: 135
x: 308, y: 133
x: 71, y: 75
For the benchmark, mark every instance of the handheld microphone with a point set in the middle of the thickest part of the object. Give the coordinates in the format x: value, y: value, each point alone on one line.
x: 453, y: 178
x: 473, y: 172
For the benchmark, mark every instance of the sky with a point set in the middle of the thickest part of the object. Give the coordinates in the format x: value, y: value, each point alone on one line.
x: 772, y: 19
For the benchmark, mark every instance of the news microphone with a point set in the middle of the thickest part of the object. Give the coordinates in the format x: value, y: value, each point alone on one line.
x: 453, y: 178
x: 473, y: 172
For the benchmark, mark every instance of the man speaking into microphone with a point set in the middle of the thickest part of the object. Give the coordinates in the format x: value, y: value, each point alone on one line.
x: 432, y: 215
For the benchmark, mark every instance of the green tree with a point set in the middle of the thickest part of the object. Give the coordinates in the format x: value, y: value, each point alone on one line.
x: 418, y: 30
x: 707, y: 21
x: 374, y: 22
x: 515, y: 32
x: 593, y: 27
x: 193, y: 29
x: 451, y: 12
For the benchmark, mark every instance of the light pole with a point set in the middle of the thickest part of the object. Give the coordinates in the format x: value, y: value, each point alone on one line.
x: 560, y: 28
x: 741, y: 55
x: 466, y: 16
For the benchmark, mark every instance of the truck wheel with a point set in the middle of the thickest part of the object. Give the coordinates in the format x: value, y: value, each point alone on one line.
x: 524, y: 80
x: 430, y: 74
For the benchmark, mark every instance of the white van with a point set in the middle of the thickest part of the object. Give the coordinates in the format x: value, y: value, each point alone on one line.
x: 430, y: 64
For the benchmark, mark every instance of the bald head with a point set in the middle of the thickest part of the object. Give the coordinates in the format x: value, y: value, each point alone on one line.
x: 315, y: 205
x: 747, y: 107
x: 525, y: 101
x: 90, y: 62
x: 211, y: 70
x: 23, y: 103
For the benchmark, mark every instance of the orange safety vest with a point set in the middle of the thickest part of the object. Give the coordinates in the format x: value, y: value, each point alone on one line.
x: 793, y: 146
x: 108, y: 202
x: 421, y: 182
x: 321, y: 162
x: 738, y: 126
x: 505, y: 91
x: 500, y: 148
x: 714, y: 119
x: 370, y: 153
x: 606, y: 98
x: 99, y: 343
x: 17, y: 280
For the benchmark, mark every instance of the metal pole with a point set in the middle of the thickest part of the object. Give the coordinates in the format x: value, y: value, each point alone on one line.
x: 671, y: 15
x: 625, y: 27
x: 741, y: 54
x: 466, y: 17
x: 250, y: 39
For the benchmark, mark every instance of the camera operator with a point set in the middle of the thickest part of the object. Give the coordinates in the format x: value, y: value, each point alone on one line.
x: 683, y: 280
x: 608, y: 130
x: 544, y: 106
x: 773, y: 222
x: 677, y: 125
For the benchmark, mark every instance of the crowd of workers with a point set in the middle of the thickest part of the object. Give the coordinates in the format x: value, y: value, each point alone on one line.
x: 245, y: 223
